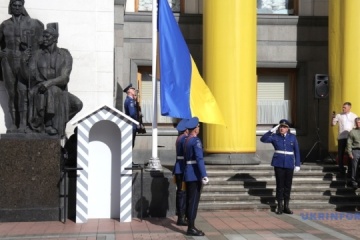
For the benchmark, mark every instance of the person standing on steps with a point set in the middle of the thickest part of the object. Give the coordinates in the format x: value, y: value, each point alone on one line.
x: 285, y: 161
x: 346, y: 121
x: 195, y: 174
x: 178, y: 173
x: 353, y: 148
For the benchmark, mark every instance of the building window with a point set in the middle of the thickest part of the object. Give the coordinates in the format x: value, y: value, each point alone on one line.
x: 145, y: 94
x: 275, y: 96
x: 276, y: 6
x: 146, y: 5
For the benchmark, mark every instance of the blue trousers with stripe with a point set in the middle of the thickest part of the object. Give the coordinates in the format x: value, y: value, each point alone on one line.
x: 193, y: 192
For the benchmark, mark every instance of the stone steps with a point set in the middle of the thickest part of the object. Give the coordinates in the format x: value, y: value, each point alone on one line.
x: 294, y: 197
x: 271, y: 183
x: 253, y: 187
x: 271, y: 191
x: 261, y: 167
x: 266, y: 206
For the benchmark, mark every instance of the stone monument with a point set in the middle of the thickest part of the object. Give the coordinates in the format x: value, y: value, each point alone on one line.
x: 51, y: 106
x: 17, y: 34
x: 36, y: 73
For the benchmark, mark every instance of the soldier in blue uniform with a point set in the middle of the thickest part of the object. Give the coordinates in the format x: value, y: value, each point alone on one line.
x: 285, y: 161
x: 195, y: 174
x: 130, y: 107
x: 178, y: 172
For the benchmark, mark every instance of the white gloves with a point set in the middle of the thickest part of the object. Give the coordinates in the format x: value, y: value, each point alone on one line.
x: 273, y: 130
x: 205, y: 180
x: 297, y: 169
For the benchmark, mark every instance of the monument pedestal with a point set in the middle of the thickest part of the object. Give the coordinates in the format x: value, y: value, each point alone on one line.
x: 29, y: 178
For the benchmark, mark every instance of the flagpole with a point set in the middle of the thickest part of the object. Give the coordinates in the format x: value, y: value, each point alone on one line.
x: 154, y: 162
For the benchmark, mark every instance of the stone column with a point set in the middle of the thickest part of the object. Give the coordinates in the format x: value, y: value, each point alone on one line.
x: 229, y: 41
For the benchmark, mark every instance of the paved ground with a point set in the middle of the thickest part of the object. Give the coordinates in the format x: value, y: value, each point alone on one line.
x: 221, y: 225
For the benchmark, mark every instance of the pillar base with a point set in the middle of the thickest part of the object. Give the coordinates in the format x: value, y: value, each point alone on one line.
x: 232, y: 159
x: 154, y: 165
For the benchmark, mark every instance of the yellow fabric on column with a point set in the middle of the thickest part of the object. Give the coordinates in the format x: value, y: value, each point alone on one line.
x: 344, y: 57
x: 351, y: 54
x: 335, y: 45
x: 229, y: 43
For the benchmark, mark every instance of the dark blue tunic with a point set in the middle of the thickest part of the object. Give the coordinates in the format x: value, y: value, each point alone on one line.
x: 283, y: 146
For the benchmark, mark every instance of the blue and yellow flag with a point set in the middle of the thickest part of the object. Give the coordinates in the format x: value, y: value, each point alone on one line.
x: 183, y: 92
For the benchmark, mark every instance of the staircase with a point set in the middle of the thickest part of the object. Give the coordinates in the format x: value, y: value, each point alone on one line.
x: 315, y: 186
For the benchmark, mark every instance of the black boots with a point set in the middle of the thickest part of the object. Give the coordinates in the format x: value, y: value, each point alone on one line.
x: 283, y: 208
x: 280, y: 207
x: 193, y: 231
x: 181, y: 221
x: 286, y: 207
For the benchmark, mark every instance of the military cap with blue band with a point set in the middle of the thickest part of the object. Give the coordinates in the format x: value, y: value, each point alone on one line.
x: 181, y: 125
x: 192, y: 123
x: 128, y: 87
x: 284, y: 122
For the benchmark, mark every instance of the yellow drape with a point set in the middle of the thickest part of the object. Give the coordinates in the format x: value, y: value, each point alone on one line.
x: 229, y: 35
x: 344, y: 56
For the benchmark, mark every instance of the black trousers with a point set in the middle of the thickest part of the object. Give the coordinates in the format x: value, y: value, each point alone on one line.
x: 193, y: 192
x: 341, y: 152
x: 134, y: 136
x: 180, y: 195
x: 284, y: 178
x: 355, y: 165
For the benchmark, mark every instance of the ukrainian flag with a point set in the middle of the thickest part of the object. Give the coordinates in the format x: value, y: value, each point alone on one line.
x: 183, y: 92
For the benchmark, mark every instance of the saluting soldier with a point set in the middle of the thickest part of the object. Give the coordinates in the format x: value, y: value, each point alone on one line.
x: 195, y: 174
x: 130, y: 108
x: 178, y: 172
x: 285, y: 160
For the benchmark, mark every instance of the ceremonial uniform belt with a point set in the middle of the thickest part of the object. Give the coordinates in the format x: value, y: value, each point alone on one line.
x: 191, y: 162
x: 180, y: 157
x: 284, y: 152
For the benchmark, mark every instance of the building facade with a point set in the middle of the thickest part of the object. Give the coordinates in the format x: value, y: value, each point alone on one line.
x: 292, y: 47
